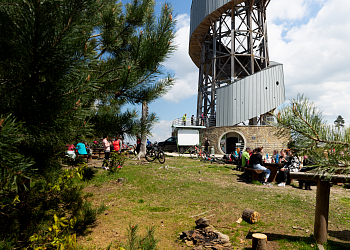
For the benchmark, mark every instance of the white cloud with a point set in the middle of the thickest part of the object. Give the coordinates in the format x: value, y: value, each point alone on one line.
x: 315, y: 55
x: 186, y: 72
x: 161, y: 131
x: 282, y: 9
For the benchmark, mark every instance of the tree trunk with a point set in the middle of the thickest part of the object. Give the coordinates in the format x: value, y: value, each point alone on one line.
x: 142, y: 152
x: 250, y: 216
x: 259, y: 241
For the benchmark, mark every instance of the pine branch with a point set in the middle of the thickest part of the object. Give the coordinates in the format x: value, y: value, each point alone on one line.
x: 311, y: 137
x: 59, y: 37
x: 308, y: 124
x: 110, y: 81
x: 109, y: 71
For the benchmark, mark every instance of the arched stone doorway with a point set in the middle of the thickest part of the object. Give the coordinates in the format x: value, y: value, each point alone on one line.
x: 230, y: 140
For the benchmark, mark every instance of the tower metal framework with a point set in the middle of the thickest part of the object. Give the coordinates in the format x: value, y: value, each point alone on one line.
x: 228, y: 43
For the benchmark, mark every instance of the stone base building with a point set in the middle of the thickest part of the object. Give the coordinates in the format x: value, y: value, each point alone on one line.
x: 227, y: 139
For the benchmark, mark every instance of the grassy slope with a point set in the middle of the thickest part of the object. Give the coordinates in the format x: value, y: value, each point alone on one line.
x: 169, y: 200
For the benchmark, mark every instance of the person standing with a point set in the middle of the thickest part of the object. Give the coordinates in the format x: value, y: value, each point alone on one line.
x: 117, y: 145
x: 245, y: 157
x: 107, y: 150
x: 202, y: 119
x: 256, y: 161
x: 206, y: 146
x: 138, y: 144
x: 184, y: 118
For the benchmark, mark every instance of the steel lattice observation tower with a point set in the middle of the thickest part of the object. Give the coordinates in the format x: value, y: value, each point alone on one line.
x: 237, y: 81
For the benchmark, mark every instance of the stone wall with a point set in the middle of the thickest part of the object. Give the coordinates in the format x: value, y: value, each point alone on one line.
x: 253, y: 136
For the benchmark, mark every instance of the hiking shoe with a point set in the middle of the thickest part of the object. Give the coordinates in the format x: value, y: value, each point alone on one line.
x: 281, y: 184
x: 266, y: 183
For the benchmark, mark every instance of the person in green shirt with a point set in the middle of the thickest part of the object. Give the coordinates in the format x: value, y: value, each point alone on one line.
x: 184, y: 119
x: 245, y: 157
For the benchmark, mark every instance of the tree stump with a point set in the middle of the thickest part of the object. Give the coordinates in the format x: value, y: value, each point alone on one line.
x: 250, y: 216
x: 259, y: 241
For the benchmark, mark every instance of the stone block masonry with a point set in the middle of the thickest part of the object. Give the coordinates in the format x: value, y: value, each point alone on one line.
x: 253, y: 136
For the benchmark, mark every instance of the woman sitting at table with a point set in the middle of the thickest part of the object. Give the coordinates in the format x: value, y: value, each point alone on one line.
x: 291, y: 166
x: 256, y: 161
x: 282, y: 156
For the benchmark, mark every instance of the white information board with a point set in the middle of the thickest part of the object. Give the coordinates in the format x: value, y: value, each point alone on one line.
x: 187, y: 137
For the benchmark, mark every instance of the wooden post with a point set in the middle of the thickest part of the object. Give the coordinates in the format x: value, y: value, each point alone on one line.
x: 322, y: 199
x: 321, y: 213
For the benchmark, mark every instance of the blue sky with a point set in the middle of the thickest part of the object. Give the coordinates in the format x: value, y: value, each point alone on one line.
x: 309, y: 37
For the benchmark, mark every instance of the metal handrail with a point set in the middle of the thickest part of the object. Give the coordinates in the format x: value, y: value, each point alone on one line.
x: 206, y: 122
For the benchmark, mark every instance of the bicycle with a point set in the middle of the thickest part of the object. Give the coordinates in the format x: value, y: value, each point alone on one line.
x: 155, y: 152
x: 212, y: 159
x: 196, y: 152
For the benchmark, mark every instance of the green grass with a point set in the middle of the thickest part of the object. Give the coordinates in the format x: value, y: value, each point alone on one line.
x: 171, y: 199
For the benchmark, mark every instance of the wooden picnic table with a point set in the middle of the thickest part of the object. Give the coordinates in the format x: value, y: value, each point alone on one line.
x: 273, y: 167
x: 99, y: 152
x: 322, y: 199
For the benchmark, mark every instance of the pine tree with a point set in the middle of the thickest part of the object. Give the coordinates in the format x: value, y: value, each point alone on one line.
x: 311, y: 135
x: 66, y: 70
x: 133, y: 47
x: 63, y: 63
x: 339, y: 122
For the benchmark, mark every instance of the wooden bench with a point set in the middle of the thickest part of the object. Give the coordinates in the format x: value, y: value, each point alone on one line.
x: 87, y: 158
x: 254, y: 172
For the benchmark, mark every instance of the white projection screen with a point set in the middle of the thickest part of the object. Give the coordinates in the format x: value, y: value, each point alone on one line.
x: 187, y: 137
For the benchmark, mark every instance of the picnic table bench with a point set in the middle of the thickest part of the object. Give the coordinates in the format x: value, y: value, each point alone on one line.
x: 273, y: 167
x: 98, y: 153
x: 87, y: 158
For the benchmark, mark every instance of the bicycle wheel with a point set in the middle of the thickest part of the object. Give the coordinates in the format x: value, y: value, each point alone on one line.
x: 161, y: 157
x: 194, y: 154
x: 182, y: 150
x: 151, y: 155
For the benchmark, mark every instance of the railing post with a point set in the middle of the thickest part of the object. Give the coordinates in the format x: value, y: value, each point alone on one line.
x: 322, y: 210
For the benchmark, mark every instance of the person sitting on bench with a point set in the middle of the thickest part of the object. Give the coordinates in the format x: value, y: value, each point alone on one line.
x: 291, y: 166
x: 81, y: 149
x: 256, y: 161
x: 245, y: 157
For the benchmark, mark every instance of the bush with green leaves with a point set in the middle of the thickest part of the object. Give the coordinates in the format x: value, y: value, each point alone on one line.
x: 116, y: 162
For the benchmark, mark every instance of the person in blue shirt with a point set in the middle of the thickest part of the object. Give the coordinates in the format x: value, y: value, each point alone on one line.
x: 81, y: 149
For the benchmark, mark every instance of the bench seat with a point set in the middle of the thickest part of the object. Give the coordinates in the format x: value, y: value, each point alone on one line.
x: 254, y: 172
